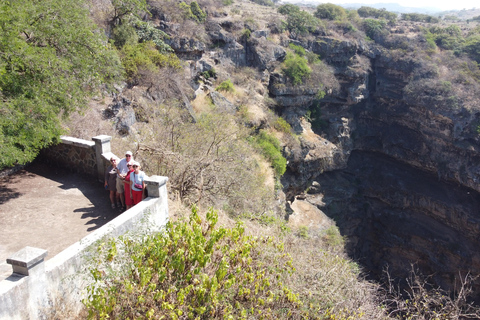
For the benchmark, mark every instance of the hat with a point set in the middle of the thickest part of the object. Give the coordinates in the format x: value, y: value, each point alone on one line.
x: 129, y: 152
x: 135, y: 163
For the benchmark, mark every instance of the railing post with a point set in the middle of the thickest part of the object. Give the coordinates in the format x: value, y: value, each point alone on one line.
x: 154, y: 184
x: 102, y: 146
x: 29, y: 261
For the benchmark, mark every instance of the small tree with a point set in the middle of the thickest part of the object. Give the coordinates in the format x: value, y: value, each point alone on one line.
x: 330, y: 11
x: 296, y: 68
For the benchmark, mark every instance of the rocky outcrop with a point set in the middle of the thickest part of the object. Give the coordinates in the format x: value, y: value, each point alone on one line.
x: 400, y: 174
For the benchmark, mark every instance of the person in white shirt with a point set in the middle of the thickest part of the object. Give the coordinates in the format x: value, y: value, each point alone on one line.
x: 122, y: 171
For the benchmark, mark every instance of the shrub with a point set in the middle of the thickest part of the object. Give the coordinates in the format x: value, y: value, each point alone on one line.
x: 296, y: 68
x: 192, y: 270
x: 299, y: 50
x: 198, y: 14
x: 288, y: 9
x: 282, y: 125
x: 270, y: 147
x: 268, y: 3
x: 419, y: 17
x: 374, y: 28
x: 301, y: 22
x: 366, y: 12
x: 146, y: 56
x: 330, y: 11
x: 124, y: 34
x: 226, y: 86
x: 209, y: 74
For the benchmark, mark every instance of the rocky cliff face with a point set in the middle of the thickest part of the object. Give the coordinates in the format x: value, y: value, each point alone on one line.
x: 398, y: 172
x: 409, y: 192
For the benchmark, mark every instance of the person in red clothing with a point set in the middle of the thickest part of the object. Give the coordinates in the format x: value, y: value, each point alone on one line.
x: 128, y: 198
x: 137, y: 183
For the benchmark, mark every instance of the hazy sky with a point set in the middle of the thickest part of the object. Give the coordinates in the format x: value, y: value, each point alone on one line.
x: 441, y: 4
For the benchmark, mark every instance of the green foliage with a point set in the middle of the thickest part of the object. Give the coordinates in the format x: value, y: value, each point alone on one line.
x: 268, y: 3
x: 301, y: 22
x: 296, y: 68
x: 374, y: 28
x: 299, y: 50
x: 192, y: 270
x: 146, y: 31
x: 449, y: 38
x: 283, y: 126
x: 268, y: 219
x: 419, y: 17
x: 246, y: 34
x: 270, y: 147
x: 145, y: 56
x: 472, y: 47
x: 288, y: 9
x: 192, y: 12
x: 134, y: 30
x: 124, y: 34
x: 197, y: 12
x: 126, y: 9
x: 226, y: 86
x: 51, y: 57
x: 367, y: 12
x: 333, y: 237
x: 209, y: 74
x: 303, y: 232
x: 330, y: 11
x: 312, y: 58
x: 298, y: 21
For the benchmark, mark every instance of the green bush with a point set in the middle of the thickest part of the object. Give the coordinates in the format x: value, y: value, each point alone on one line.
x: 374, y: 28
x: 366, y: 12
x: 197, y: 12
x: 282, y: 125
x: 124, y: 34
x: 270, y: 147
x: 226, y: 86
x: 209, y: 74
x: 288, y: 9
x: 146, y: 56
x: 330, y: 11
x: 299, y: 50
x: 192, y: 270
x: 296, y: 68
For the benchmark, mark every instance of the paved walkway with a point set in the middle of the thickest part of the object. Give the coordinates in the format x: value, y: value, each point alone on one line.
x: 48, y: 208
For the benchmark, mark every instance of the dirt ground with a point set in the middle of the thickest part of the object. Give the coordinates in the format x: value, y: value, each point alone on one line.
x: 48, y: 208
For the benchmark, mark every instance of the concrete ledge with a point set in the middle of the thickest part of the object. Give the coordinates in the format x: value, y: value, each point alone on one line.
x: 77, y: 142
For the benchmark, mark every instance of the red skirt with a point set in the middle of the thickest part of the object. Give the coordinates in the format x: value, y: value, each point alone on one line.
x: 128, y: 200
x: 137, y: 196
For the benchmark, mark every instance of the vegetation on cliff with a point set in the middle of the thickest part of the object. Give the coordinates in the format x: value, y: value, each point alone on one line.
x: 225, y: 147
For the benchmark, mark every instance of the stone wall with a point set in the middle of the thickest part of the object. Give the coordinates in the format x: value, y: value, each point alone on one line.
x: 78, y: 155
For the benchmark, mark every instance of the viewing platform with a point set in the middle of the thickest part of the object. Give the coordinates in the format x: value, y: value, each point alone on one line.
x: 50, y: 208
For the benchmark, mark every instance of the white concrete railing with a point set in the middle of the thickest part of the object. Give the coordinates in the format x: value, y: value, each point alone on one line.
x: 35, y: 283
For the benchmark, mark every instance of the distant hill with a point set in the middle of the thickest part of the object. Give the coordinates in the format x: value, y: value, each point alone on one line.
x: 463, y: 14
x: 392, y: 7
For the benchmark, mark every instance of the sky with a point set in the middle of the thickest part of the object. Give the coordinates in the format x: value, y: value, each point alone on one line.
x: 440, y: 4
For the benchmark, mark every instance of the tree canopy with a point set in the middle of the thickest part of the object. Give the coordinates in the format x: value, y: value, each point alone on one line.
x: 51, y: 58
